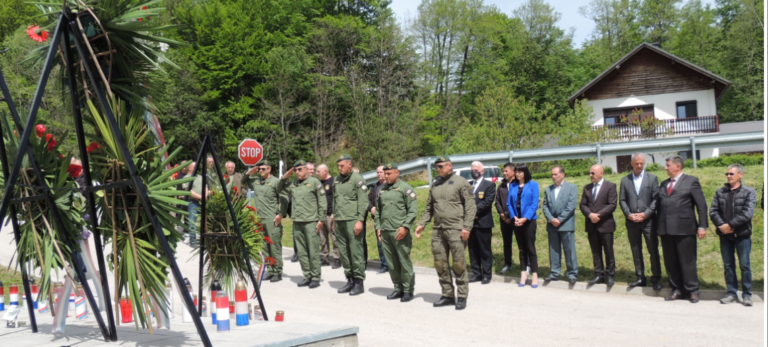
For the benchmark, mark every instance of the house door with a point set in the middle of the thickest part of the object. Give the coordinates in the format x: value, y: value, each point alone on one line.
x: 623, y: 163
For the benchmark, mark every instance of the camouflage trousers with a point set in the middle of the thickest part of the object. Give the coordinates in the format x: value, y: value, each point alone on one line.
x: 447, y: 242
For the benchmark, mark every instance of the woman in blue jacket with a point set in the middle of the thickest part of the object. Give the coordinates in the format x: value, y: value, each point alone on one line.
x: 522, y: 203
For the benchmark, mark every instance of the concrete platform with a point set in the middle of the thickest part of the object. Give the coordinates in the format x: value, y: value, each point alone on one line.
x: 272, y: 334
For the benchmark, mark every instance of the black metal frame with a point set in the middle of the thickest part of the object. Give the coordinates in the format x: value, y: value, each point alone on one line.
x: 66, y: 26
x: 204, y: 149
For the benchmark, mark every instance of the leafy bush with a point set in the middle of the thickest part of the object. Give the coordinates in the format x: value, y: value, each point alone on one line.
x: 725, y: 160
x: 418, y: 183
x: 653, y: 167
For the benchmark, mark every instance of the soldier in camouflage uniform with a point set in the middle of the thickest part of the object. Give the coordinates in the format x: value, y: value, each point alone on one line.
x: 396, y: 209
x: 309, y: 206
x: 270, y: 210
x: 452, y: 205
x: 350, y: 204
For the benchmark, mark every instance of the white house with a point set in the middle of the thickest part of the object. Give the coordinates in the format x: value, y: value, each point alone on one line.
x: 652, y: 93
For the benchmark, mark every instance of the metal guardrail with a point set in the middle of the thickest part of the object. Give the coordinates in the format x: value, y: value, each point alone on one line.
x: 597, y: 150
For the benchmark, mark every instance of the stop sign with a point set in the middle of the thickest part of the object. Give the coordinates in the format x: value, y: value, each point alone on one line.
x: 250, y: 152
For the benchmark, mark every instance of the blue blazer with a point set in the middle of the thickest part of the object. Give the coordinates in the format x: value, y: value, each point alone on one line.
x: 529, y: 202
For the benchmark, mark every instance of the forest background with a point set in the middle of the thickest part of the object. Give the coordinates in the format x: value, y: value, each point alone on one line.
x: 313, y: 78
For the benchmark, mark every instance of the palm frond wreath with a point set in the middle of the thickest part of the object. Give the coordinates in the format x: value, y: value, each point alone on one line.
x: 41, y: 246
x: 140, y: 267
x: 120, y: 35
x: 223, y: 257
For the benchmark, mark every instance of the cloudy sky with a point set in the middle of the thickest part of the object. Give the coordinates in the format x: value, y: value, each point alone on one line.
x: 568, y: 9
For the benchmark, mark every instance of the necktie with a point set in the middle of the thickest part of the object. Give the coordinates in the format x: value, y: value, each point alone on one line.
x: 594, y: 191
x: 669, y: 186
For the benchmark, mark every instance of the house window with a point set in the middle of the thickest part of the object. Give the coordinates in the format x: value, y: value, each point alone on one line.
x: 619, y: 115
x: 686, y: 109
x: 689, y: 155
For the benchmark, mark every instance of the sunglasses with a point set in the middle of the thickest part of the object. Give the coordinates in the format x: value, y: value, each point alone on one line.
x: 263, y: 169
x: 729, y: 174
x: 440, y: 166
x: 298, y: 169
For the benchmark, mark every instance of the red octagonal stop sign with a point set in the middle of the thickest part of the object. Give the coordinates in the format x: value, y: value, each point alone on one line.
x: 250, y: 152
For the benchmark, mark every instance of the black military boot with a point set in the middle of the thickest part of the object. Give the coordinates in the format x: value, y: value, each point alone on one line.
x: 358, y: 288
x: 395, y: 295
x: 347, y: 287
x: 444, y: 301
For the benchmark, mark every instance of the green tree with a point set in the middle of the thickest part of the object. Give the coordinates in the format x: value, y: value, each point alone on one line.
x: 15, y: 14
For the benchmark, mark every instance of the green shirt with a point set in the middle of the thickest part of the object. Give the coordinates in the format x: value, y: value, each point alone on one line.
x: 266, y: 197
x: 396, y: 207
x: 451, y: 203
x: 350, y: 197
x: 197, y: 186
x: 309, y: 203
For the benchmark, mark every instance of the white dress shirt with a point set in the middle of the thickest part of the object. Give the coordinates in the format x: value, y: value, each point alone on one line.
x: 597, y: 189
x: 557, y: 190
x: 638, y: 180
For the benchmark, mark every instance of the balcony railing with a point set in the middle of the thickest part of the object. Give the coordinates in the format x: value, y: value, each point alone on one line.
x: 662, y: 127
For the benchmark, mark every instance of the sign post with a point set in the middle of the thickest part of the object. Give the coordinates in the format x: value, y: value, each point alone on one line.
x: 250, y: 152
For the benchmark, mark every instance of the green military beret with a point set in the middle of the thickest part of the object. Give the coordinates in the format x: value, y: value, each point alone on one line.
x: 264, y: 163
x: 344, y: 157
x: 442, y: 159
x: 390, y: 166
x: 300, y: 163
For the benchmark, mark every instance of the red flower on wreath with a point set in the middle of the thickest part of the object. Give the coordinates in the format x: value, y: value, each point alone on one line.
x: 75, y: 170
x: 40, y: 130
x: 92, y: 147
x: 61, y: 156
x: 266, y: 238
x: 34, y: 32
x: 51, y: 144
x: 251, y: 208
x: 48, y: 137
x: 270, y: 261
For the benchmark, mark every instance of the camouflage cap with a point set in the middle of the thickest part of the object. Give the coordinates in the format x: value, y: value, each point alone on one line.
x: 390, y: 166
x: 264, y: 163
x: 344, y: 157
x: 301, y: 162
x: 442, y: 160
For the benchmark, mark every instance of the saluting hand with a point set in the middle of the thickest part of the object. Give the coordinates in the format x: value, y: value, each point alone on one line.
x: 252, y: 171
x: 419, y: 229
x: 288, y: 174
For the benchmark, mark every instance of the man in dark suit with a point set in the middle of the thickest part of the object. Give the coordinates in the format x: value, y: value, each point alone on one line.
x: 480, y: 255
x: 505, y: 221
x: 639, y: 191
x: 680, y: 198
x: 598, y: 201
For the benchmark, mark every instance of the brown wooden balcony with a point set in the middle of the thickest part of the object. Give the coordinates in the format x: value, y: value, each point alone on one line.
x: 661, y: 127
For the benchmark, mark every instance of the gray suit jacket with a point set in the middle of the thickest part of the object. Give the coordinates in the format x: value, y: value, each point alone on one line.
x: 563, y: 208
x: 630, y: 201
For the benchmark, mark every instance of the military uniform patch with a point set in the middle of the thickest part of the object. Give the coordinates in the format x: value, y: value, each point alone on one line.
x: 309, y: 185
x: 327, y: 187
x: 450, y: 182
x: 319, y: 186
x: 412, y: 195
x: 480, y: 195
x: 362, y: 185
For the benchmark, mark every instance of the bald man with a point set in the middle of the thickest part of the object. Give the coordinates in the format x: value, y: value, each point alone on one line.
x: 233, y: 177
x: 598, y: 201
x: 328, y: 232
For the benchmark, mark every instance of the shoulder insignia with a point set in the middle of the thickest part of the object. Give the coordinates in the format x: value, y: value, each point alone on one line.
x: 412, y: 195
x: 364, y: 187
x: 409, y: 191
x: 360, y: 184
x: 319, y: 186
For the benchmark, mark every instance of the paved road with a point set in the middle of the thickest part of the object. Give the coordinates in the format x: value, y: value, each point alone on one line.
x: 498, y: 314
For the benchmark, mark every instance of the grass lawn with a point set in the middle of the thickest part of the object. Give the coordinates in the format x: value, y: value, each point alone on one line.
x: 710, y: 261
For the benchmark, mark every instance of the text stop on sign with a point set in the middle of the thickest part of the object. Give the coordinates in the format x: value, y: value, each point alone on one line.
x: 250, y: 152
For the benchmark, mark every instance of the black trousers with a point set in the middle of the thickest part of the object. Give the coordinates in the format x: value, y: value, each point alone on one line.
x: 506, y: 240
x: 526, y: 245
x: 680, y: 255
x: 480, y: 255
x: 636, y: 232
x: 602, y: 243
